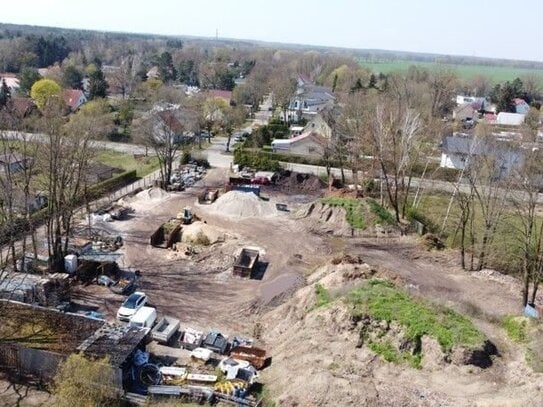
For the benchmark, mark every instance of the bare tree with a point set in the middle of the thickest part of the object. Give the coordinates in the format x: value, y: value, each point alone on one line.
x: 490, y: 180
x: 395, y: 134
x: 529, y: 178
x: 64, y: 159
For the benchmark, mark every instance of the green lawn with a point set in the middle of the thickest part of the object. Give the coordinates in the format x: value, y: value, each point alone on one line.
x: 494, y: 73
x: 127, y: 162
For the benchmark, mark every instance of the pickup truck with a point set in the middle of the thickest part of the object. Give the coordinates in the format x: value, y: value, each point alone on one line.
x: 165, y: 329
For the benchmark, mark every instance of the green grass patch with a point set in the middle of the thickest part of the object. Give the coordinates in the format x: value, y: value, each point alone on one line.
x: 494, y: 73
x: 353, y: 207
x: 127, y: 162
x: 516, y: 328
x: 323, y: 296
x: 382, y: 213
x: 389, y: 353
x: 381, y: 300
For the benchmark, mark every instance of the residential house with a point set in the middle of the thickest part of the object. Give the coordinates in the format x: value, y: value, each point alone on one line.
x: 21, y: 107
x: 465, y: 112
x: 309, y: 100
x: 74, y: 98
x: 13, y: 162
x: 307, y: 144
x: 510, y: 119
x: 459, y: 149
x: 11, y: 81
x: 521, y: 107
x: 225, y: 95
x: 170, y: 123
x: 153, y: 73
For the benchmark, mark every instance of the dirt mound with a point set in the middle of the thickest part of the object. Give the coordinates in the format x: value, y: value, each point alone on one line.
x: 322, y: 357
x: 201, y: 233
x: 242, y: 205
x: 291, y: 181
x: 326, y: 219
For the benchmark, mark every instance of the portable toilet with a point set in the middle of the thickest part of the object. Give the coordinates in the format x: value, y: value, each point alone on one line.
x: 70, y: 263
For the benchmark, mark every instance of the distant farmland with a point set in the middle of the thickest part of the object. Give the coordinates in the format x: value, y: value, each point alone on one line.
x: 494, y: 73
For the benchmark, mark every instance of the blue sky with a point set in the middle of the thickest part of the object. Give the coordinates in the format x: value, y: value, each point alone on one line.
x: 499, y: 28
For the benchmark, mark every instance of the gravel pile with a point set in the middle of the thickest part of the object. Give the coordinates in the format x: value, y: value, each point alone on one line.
x: 243, y: 205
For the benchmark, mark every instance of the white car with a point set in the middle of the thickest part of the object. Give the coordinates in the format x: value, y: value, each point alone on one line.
x: 133, y: 303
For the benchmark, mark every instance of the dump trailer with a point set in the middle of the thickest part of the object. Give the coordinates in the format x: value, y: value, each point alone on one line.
x: 255, y: 356
x: 208, y: 196
x: 246, y: 263
x: 167, y: 234
x: 165, y: 329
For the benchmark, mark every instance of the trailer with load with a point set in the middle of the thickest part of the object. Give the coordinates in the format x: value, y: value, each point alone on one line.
x: 165, y: 329
x: 255, y: 356
x: 167, y: 234
x: 246, y: 262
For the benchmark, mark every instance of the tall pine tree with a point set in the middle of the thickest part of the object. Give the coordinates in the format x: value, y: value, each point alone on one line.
x: 5, y: 94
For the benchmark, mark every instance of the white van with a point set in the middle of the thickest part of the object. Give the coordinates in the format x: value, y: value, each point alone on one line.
x: 145, y: 317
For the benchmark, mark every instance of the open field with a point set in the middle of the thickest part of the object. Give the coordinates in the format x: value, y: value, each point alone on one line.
x: 496, y: 74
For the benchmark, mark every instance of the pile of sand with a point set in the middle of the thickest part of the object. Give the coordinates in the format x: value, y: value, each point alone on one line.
x: 243, y: 205
x: 201, y: 233
x: 152, y: 194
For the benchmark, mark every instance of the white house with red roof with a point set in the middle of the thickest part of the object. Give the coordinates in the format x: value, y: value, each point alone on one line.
x: 74, y: 98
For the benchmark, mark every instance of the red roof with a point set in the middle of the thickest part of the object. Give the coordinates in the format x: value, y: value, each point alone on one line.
x: 224, y: 94
x: 72, y: 97
x: 519, y: 101
x: 170, y: 119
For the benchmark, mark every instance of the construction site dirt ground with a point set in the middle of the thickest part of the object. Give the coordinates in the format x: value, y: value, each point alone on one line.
x: 201, y: 290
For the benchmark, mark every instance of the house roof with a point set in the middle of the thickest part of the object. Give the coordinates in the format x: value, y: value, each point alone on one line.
x: 72, y: 97
x: 519, y: 101
x: 11, y: 81
x: 21, y: 106
x: 510, y: 119
x: 224, y: 94
x: 117, y: 342
x: 465, y: 108
x: 171, y: 120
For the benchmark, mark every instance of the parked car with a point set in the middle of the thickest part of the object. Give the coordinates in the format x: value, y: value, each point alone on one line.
x: 132, y: 304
